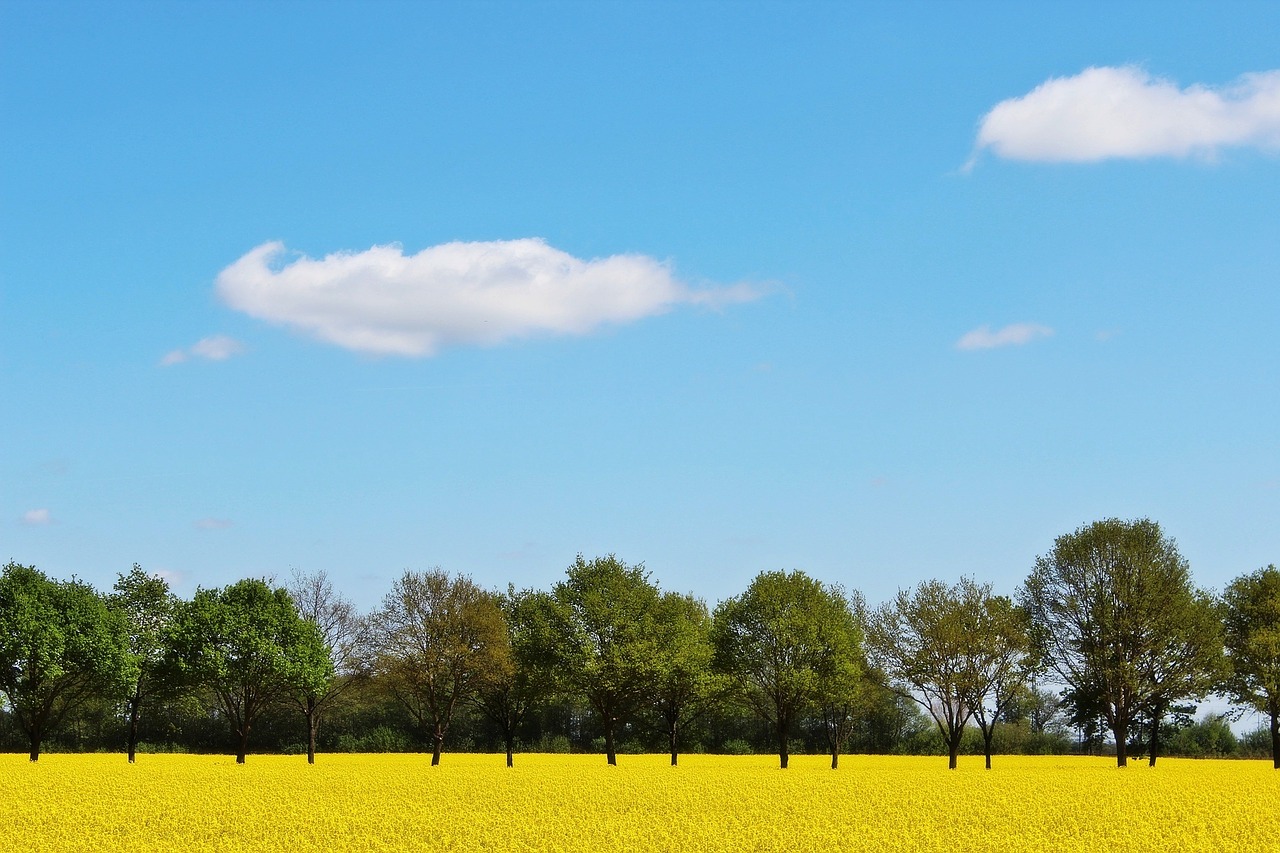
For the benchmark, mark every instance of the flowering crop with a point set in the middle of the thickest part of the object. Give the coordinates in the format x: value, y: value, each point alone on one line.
x: 561, y: 802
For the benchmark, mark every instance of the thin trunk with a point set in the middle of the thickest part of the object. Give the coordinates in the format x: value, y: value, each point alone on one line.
x: 1155, y: 741
x: 953, y: 748
x: 835, y: 757
x: 511, y: 748
x: 313, y: 725
x: 1275, y: 733
x: 35, y: 744
x: 438, y: 745
x: 988, y: 735
x: 134, y: 712
x: 671, y: 739
x: 244, y: 745
x: 784, y: 753
x: 611, y: 753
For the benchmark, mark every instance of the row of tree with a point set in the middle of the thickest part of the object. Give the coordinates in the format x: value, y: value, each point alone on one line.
x: 1110, y: 615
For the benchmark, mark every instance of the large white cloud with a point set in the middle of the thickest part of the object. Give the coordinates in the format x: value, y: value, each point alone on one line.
x: 1109, y: 112
x: 384, y: 301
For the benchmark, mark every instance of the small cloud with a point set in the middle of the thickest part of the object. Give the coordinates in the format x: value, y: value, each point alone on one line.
x: 216, y: 348
x: 37, y: 518
x: 1104, y: 335
x: 1125, y: 112
x: 1015, y: 334
x: 173, y: 577
x: 385, y: 302
x: 212, y: 524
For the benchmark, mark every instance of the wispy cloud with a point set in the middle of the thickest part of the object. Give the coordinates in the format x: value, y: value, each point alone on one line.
x: 1015, y: 334
x: 36, y: 517
x: 1125, y: 112
x: 456, y: 294
x: 212, y: 524
x: 216, y: 348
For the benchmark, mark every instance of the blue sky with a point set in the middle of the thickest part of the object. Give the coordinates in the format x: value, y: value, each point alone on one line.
x: 883, y: 292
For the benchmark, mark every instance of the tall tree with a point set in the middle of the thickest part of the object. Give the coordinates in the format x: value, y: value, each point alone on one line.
x: 1111, y: 607
x: 247, y: 643
x: 784, y: 642
x: 999, y: 660
x: 1253, y: 646
x: 60, y: 646
x: 438, y: 638
x: 341, y: 630
x: 926, y: 643
x: 684, y: 685
x: 518, y: 677
x: 602, y: 639
x: 147, y: 608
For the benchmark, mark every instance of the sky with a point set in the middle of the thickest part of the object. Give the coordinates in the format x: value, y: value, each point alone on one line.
x: 883, y: 292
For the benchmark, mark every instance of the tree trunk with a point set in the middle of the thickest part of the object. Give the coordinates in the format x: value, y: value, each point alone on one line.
x: 784, y: 753
x: 35, y: 744
x: 313, y: 724
x: 671, y: 739
x: 1121, y: 733
x: 135, y: 703
x: 1275, y: 733
x: 1155, y: 741
x: 953, y: 748
x: 835, y: 757
x: 244, y: 745
x: 611, y: 753
x: 511, y: 751
x: 438, y: 745
x: 987, y: 737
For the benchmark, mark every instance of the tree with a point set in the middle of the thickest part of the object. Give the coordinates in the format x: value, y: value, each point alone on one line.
x: 341, y: 631
x: 438, y: 639
x: 1114, y: 616
x: 684, y: 685
x: 787, y: 642
x: 998, y: 659
x: 930, y: 643
x: 247, y: 643
x: 1253, y: 646
x: 59, y: 647
x: 147, y: 608
x: 602, y: 639
x: 518, y: 677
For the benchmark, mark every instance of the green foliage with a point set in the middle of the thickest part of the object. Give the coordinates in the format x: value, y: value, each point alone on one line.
x: 60, y: 647
x: 1114, y: 616
x: 788, y: 644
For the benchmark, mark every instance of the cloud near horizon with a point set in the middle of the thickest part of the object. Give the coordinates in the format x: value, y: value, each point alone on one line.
x: 1015, y: 334
x: 216, y: 348
x: 384, y: 302
x: 1125, y: 112
x: 37, y: 518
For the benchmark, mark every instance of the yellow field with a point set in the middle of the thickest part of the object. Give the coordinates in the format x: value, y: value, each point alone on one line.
x: 561, y: 802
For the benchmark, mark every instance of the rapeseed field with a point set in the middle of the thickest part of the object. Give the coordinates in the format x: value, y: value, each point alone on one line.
x: 563, y: 802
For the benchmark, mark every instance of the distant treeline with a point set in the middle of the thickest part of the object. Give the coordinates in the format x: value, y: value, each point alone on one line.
x: 1107, y: 646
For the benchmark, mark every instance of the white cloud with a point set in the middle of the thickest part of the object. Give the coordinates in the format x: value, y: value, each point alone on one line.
x: 1015, y: 334
x: 1124, y: 111
x: 216, y: 348
x: 455, y: 294
x: 37, y: 517
x: 213, y: 524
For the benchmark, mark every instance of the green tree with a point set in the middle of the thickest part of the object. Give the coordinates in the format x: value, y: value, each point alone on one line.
x: 929, y: 643
x: 147, y: 608
x: 602, y: 639
x: 999, y: 658
x: 247, y: 643
x: 60, y: 647
x: 787, y: 643
x: 1114, y: 616
x: 1253, y: 646
x: 438, y: 637
x: 684, y: 685
x: 518, y: 677
x: 342, y: 633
